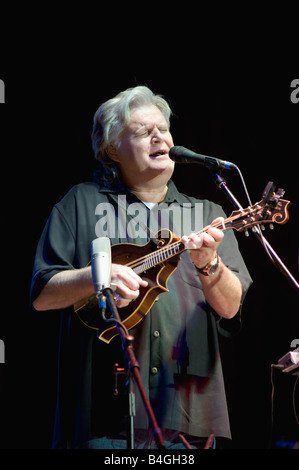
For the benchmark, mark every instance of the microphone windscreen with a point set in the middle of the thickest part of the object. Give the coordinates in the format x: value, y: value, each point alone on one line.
x: 101, y: 263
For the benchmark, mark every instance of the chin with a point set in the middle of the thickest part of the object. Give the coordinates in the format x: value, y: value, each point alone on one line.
x: 165, y: 170
x: 162, y: 163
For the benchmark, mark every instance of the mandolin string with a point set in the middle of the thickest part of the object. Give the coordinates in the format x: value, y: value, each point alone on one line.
x: 221, y: 225
x: 150, y: 256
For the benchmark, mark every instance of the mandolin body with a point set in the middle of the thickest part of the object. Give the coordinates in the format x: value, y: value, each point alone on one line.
x: 156, y: 276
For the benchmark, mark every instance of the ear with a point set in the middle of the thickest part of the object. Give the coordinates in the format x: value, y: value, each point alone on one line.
x: 112, y: 152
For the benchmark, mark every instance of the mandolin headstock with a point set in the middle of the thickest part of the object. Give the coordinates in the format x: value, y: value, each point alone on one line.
x: 270, y: 209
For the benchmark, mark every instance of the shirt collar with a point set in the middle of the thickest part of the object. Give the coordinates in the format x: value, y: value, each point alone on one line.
x: 172, y: 195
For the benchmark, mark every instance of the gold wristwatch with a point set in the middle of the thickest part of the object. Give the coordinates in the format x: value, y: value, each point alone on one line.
x: 211, y: 267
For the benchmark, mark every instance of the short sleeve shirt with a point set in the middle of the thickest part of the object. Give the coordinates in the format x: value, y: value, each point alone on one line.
x: 176, y: 343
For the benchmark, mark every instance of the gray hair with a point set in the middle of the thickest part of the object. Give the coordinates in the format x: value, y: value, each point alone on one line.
x: 113, y: 116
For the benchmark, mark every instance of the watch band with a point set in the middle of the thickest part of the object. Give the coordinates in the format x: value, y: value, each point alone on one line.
x: 210, y: 268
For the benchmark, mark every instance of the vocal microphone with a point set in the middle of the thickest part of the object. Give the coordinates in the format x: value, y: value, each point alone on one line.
x: 101, y: 264
x: 101, y: 270
x: 182, y: 155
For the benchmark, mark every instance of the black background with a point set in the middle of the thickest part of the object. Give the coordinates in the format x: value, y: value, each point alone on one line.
x: 243, y: 115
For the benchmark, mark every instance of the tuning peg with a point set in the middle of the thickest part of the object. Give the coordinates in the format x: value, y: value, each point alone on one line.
x: 246, y: 233
x: 263, y: 228
x: 271, y: 227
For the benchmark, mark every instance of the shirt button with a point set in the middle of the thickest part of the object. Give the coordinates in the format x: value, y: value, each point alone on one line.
x: 156, y: 333
x: 154, y: 370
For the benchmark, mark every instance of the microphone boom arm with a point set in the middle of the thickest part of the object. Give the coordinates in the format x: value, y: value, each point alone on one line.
x: 221, y: 183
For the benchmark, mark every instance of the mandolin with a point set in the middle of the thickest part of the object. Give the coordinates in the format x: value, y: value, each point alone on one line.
x: 156, y: 261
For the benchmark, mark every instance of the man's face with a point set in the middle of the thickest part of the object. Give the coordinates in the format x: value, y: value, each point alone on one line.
x: 144, y: 147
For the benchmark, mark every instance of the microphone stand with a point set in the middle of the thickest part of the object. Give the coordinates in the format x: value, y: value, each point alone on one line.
x: 221, y: 183
x: 133, y: 367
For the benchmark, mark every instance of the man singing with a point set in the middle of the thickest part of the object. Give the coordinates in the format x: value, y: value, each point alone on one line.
x: 176, y: 343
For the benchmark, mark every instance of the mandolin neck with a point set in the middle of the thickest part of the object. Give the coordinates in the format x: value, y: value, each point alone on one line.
x: 240, y: 220
x: 159, y: 256
x: 167, y: 252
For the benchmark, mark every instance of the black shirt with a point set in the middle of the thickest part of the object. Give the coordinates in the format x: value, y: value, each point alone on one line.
x: 176, y: 343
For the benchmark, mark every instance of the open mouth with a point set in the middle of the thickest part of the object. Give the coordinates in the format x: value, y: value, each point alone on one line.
x: 158, y: 153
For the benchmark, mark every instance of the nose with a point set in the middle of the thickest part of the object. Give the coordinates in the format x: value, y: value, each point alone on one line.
x: 156, y: 135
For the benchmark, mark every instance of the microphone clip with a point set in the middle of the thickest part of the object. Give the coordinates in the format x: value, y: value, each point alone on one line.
x: 102, y: 300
